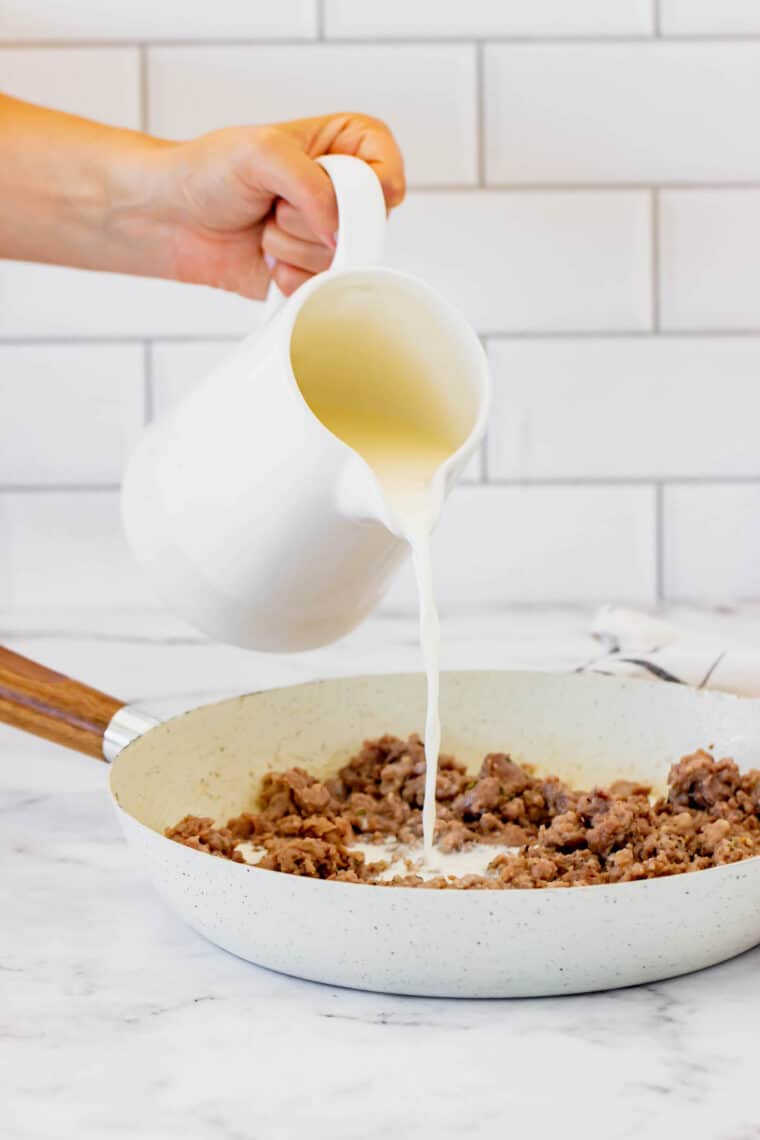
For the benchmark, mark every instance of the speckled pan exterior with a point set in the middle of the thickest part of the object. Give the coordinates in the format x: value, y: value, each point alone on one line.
x: 443, y: 943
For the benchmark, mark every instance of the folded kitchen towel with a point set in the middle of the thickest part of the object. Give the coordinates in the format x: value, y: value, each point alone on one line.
x: 633, y: 644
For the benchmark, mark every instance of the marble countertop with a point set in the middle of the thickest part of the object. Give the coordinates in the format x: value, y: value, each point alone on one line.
x: 117, y: 1021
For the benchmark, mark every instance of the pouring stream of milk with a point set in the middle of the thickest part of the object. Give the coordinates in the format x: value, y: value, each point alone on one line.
x: 405, y: 463
x: 387, y: 406
x: 418, y: 537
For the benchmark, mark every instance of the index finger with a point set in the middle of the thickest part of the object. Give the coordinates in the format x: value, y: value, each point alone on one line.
x: 361, y: 136
x: 293, y: 221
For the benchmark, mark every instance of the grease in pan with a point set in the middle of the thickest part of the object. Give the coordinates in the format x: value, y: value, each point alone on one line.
x: 518, y: 830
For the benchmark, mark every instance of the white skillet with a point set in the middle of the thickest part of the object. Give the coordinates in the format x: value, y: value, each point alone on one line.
x: 588, y: 729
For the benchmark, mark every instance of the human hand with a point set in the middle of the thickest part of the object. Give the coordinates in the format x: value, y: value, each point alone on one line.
x: 237, y: 206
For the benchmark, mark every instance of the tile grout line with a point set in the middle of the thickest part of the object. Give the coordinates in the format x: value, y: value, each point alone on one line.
x: 655, y: 255
x: 639, y: 39
x: 148, y: 393
x: 56, y: 488
x: 618, y: 334
x: 624, y: 480
x: 320, y: 20
x: 657, y: 19
x: 631, y: 481
x: 480, y: 113
x: 142, y: 55
x: 116, y: 340
x: 750, y: 185
x: 601, y: 187
x: 483, y: 481
x: 557, y: 482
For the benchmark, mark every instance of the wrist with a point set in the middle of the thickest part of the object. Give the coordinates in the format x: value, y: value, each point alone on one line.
x: 133, y: 222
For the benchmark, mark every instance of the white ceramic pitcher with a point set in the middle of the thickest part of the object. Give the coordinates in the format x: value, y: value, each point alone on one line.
x: 257, y: 524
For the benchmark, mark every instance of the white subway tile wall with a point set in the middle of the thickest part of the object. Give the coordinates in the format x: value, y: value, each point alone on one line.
x: 624, y: 408
x: 709, y: 243
x: 146, y: 20
x: 175, y: 368
x: 709, y: 17
x: 548, y: 261
x: 427, y: 91
x: 584, y: 185
x: 65, y: 548
x: 368, y: 19
x: 621, y: 113
x: 44, y: 301
x: 102, y: 84
x: 499, y: 543
x: 711, y: 541
x: 70, y: 413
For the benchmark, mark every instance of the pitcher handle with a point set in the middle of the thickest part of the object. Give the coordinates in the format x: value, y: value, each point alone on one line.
x: 361, y: 217
x: 361, y: 211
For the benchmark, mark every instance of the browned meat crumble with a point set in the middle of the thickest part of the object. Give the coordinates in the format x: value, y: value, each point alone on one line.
x: 566, y: 837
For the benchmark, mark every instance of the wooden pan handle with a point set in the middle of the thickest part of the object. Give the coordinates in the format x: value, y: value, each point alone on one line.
x: 44, y: 702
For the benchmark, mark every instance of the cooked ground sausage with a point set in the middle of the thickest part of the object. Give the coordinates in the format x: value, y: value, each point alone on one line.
x: 559, y: 836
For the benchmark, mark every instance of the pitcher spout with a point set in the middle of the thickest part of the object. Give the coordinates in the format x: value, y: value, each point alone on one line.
x: 359, y: 496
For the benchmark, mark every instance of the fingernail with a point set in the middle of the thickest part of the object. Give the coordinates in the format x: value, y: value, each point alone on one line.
x: 270, y: 262
x: 330, y: 240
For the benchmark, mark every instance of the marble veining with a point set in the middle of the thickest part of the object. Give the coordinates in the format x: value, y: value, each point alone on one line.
x: 117, y: 1021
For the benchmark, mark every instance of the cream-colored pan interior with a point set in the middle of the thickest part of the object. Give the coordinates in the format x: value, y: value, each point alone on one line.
x: 586, y: 728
